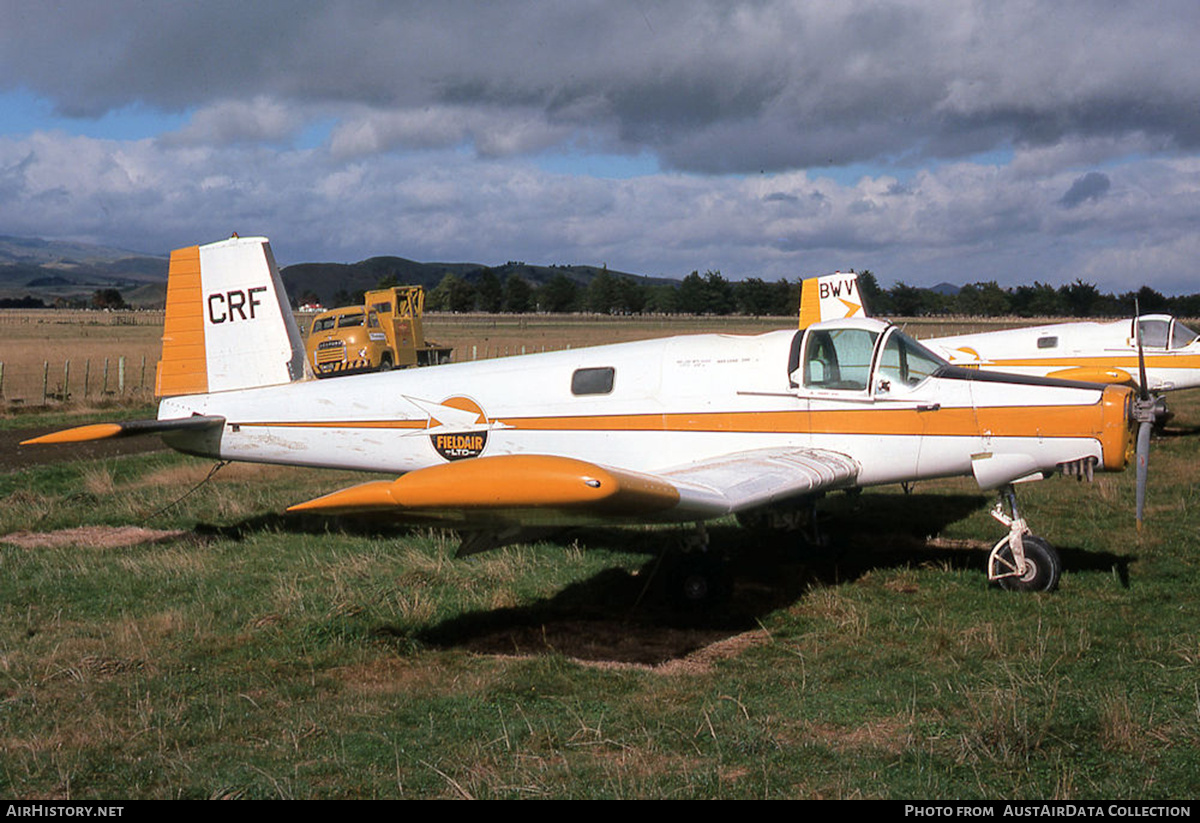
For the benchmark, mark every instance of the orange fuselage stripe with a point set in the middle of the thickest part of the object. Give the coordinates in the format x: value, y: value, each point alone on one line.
x: 1163, y: 361
x: 1009, y: 421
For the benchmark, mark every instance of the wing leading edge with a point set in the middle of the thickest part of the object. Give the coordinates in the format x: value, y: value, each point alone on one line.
x: 513, y: 490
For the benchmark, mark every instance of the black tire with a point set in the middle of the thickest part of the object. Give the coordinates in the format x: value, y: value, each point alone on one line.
x: 385, y: 363
x: 700, y: 582
x: 1042, y: 567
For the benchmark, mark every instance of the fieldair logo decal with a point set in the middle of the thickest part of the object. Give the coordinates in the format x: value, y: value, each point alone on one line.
x: 457, y: 442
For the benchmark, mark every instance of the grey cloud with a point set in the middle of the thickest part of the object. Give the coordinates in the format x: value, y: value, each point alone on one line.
x: 1091, y: 186
x: 710, y: 87
x: 958, y: 222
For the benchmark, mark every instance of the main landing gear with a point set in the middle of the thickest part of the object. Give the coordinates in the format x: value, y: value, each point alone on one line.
x: 699, y: 579
x: 1021, y: 561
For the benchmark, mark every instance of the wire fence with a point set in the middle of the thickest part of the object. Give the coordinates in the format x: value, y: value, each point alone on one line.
x: 79, y: 380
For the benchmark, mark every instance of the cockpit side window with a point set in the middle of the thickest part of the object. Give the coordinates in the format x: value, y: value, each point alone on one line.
x: 905, y: 362
x: 1181, y: 335
x: 839, y: 358
x: 1154, y: 333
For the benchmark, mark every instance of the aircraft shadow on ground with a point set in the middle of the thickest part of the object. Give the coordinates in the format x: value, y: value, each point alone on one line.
x: 630, y: 617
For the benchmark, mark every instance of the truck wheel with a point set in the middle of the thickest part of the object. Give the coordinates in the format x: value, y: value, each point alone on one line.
x: 385, y: 363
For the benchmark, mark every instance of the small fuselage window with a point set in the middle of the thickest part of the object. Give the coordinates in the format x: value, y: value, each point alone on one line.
x: 593, y: 381
x: 1047, y: 343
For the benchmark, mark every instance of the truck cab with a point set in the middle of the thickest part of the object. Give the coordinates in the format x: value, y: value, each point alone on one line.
x: 383, y: 333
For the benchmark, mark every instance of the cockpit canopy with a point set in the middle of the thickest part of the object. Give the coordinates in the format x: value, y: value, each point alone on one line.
x: 1161, y: 331
x: 843, y: 357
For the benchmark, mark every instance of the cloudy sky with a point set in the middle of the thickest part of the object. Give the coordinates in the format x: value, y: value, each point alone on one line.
x: 1048, y: 140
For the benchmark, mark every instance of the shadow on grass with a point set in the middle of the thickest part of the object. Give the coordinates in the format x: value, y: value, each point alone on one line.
x: 629, y: 617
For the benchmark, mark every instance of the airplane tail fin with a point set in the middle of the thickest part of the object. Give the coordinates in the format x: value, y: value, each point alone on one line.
x: 228, y: 323
x: 830, y: 297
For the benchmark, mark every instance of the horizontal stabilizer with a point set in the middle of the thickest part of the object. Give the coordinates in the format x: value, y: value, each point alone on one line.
x: 130, y: 428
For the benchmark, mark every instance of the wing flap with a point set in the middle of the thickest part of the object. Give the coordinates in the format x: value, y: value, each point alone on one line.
x: 748, y: 480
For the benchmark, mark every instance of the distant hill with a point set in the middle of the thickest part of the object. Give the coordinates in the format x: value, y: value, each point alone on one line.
x: 328, y: 279
x: 52, y: 270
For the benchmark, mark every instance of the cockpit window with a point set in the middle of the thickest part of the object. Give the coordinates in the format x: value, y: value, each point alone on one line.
x: 1181, y: 335
x: 1154, y: 333
x: 905, y: 362
x: 839, y: 358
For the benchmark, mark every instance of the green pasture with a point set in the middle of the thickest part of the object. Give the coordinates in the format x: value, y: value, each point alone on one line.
x: 248, y: 654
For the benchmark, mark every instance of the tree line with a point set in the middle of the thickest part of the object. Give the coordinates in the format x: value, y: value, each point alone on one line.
x: 712, y: 293
x: 987, y: 299
x: 606, y: 293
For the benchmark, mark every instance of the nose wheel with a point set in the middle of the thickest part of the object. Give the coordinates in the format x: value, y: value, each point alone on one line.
x: 1021, y: 561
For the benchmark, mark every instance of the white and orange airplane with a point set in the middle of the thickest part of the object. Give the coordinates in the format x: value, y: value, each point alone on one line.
x: 1102, y: 352
x: 681, y: 429
x: 1093, y: 351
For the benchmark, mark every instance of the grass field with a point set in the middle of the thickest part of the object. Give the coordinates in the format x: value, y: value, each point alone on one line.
x: 193, y: 642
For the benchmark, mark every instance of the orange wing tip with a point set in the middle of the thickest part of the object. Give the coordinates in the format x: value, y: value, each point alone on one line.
x: 1092, y: 374
x: 364, y: 497
x: 504, y: 482
x: 79, y: 434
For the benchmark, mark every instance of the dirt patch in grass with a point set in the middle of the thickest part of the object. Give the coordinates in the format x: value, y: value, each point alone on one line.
x: 90, y: 537
x: 659, y: 649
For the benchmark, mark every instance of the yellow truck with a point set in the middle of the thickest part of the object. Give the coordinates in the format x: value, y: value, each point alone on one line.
x: 384, y: 333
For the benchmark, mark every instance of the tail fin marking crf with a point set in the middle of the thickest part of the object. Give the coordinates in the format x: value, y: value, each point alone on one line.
x: 228, y: 324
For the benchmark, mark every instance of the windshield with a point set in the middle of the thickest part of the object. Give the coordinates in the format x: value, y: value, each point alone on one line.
x: 347, y: 320
x: 905, y: 362
x: 324, y: 323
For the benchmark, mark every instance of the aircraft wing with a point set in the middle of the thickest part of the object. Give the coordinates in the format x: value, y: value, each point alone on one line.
x: 508, y: 490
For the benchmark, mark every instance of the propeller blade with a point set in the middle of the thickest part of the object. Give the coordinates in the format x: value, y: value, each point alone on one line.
x: 1143, y: 460
x: 1144, y: 390
x: 1144, y: 414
